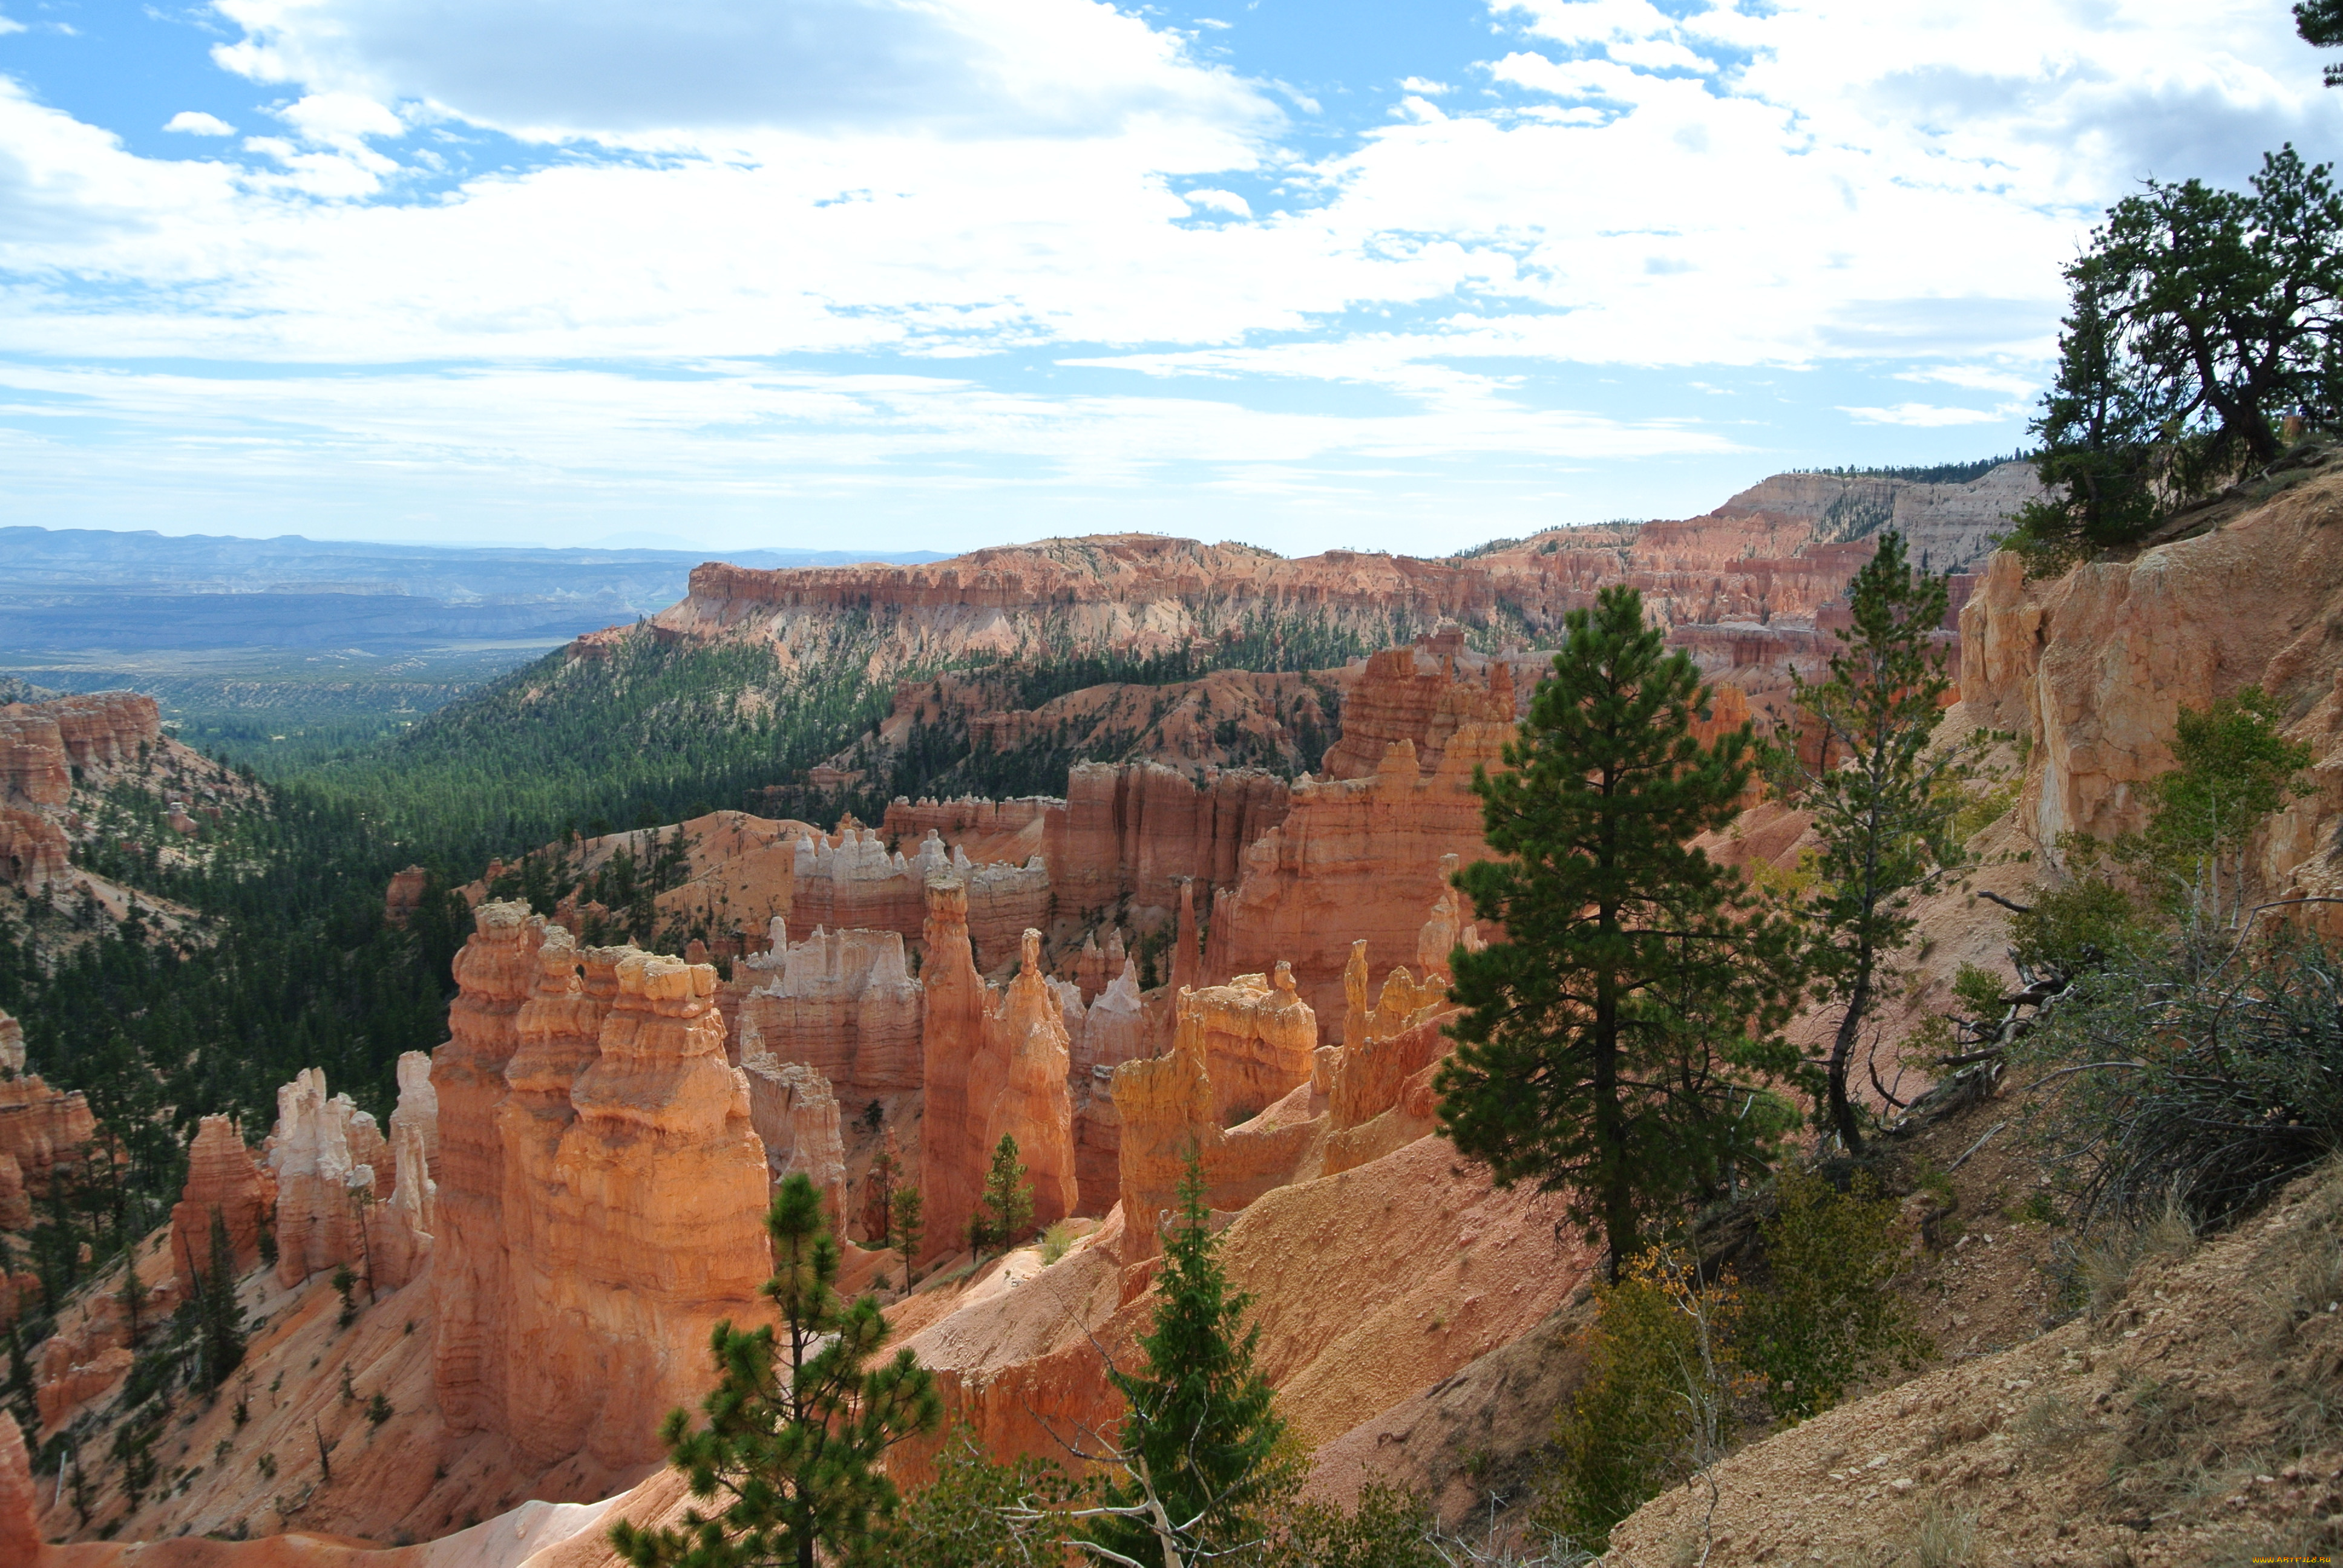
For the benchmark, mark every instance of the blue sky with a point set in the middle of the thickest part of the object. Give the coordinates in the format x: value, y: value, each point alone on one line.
x: 933, y: 274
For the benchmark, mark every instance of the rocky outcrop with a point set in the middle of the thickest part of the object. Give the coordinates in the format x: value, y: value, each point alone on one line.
x: 1257, y: 1035
x: 601, y: 1193
x: 1421, y: 695
x: 404, y: 896
x: 34, y: 850
x: 12, y: 1047
x: 1355, y: 859
x: 418, y: 1106
x: 1141, y: 829
x: 1948, y: 528
x: 20, y: 1530
x: 105, y: 728
x: 41, y: 746
x: 796, y: 1117
x: 1111, y: 1030
x: 841, y: 1002
x: 496, y: 973
x: 996, y: 1063
x: 1170, y: 1106
x: 223, y: 1178
x: 2095, y: 666
x: 858, y: 884
x: 41, y: 1128
x: 34, y: 770
x: 322, y: 1154
x: 1380, y: 1083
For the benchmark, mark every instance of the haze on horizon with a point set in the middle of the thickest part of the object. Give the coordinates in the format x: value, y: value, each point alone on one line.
x: 906, y: 274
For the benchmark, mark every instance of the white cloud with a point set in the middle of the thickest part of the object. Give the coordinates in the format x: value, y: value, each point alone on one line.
x: 340, y: 119
x: 622, y: 71
x: 9, y: 25
x: 195, y: 123
x: 1923, y: 415
x: 1219, y: 201
x: 1427, y: 88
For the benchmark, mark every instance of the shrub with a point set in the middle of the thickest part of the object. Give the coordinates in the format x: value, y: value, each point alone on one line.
x: 962, y: 1518
x: 1828, y: 1318
x: 2208, y: 1087
x: 1634, y: 1427
x: 1055, y: 1240
x: 2076, y: 930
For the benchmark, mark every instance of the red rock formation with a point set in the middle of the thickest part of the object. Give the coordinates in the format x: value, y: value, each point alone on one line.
x: 1139, y: 829
x: 2095, y: 666
x: 1419, y: 695
x: 954, y: 1036
x: 996, y: 1063
x: 970, y: 816
x: 41, y: 1128
x: 1110, y: 1030
x: 322, y: 1178
x: 1381, y: 1095
x: 858, y: 884
x: 660, y: 1232
x: 12, y: 1047
x: 841, y: 1002
x: 1170, y: 1104
x: 796, y: 1117
x: 106, y: 728
x: 1356, y: 858
x: 496, y: 973
x: 405, y: 894
x: 34, y: 850
x: 20, y: 1530
x: 222, y: 1178
x: 33, y: 766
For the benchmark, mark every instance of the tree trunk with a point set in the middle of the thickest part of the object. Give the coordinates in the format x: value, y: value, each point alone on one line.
x: 1841, y: 1057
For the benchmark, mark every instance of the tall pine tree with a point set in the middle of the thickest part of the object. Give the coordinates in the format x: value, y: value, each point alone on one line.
x: 796, y: 1425
x: 1608, y: 1043
x: 1883, y: 803
x: 1201, y: 1423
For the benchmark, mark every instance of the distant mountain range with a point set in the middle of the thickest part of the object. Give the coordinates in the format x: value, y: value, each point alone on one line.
x: 70, y: 589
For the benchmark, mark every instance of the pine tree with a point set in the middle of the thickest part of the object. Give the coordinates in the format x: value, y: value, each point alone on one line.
x: 1202, y: 1421
x: 221, y: 1320
x: 911, y: 1225
x: 1006, y: 1206
x: 1886, y: 813
x: 796, y: 1424
x: 1607, y: 1043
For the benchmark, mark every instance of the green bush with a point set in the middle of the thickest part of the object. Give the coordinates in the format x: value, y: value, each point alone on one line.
x: 1828, y: 1317
x: 2075, y: 929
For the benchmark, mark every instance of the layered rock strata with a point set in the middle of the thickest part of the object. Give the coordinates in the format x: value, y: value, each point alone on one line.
x: 223, y: 1179
x: 859, y: 884
x: 1356, y: 857
x: 1141, y: 829
x: 1420, y: 695
x: 996, y: 1063
x: 601, y: 1195
x: 796, y: 1117
x: 842, y: 1002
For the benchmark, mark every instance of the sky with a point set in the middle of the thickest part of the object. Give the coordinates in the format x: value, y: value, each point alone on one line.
x: 902, y: 274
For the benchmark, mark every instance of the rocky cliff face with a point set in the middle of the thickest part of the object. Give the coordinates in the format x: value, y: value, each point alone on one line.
x: 222, y: 1178
x: 2095, y: 666
x: 796, y: 1117
x: 843, y: 1003
x: 1421, y: 695
x: 859, y: 884
x: 40, y: 1128
x: 1949, y: 527
x: 41, y: 746
x: 602, y: 1191
x: 1141, y: 829
x: 1357, y: 858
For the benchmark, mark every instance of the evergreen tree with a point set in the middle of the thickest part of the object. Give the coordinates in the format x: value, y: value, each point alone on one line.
x: 2320, y: 22
x: 1598, y: 1049
x: 796, y: 1424
x: 1006, y: 1206
x: 1886, y: 812
x: 1201, y: 1425
x: 910, y: 1227
x: 222, y: 1316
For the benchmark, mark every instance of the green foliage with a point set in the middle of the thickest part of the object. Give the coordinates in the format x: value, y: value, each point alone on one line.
x: 796, y: 1425
x: 2234, y: 768
x: 379, y: 1409
x: 2073, y: 931
x: 1055, y: 1240
x: 908, y: 1212
x: 1827, y: 1317
x: 1391, y: 1527
x: 1979, y: 991
x: 1005, y: 1210
x: 1633, y: 1428
x: 2320, y: 22
x: 1608, y: 1041
x: 1885, y: 814
x: 2171, y: 1079
x: 2198, y: 318
x: 1926, y: 473
x: 1200, y: 1426
x: 343, y: 1283
x: 221, y: 1316
x: 963, y: 1519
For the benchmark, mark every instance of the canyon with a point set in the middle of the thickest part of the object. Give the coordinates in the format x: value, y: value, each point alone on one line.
x: 1171, y: 955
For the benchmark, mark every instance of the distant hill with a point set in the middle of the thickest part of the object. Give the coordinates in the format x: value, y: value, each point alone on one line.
x: 72, y: 589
